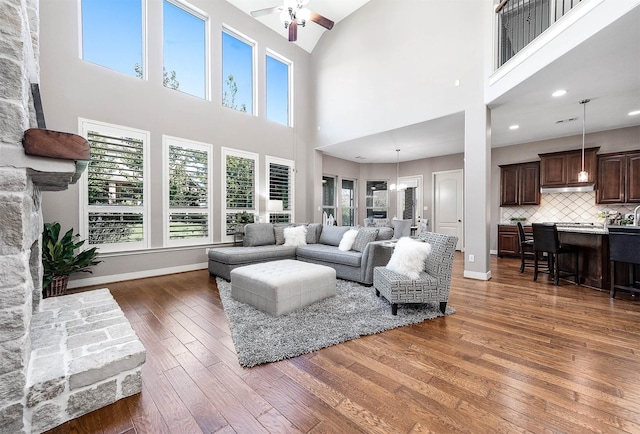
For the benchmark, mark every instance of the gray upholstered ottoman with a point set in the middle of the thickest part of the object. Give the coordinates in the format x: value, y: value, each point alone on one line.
x: 280, y: 287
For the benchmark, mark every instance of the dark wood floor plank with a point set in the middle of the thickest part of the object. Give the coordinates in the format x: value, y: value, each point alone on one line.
x: 517, y: 356
x: 231, y: 409
x: 145, y: 414
x: 203, y: 411
x: 252, y: 401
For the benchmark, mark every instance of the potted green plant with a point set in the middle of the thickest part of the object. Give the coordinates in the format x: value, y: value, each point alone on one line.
x: 59, y: 259
x: 242, y: 218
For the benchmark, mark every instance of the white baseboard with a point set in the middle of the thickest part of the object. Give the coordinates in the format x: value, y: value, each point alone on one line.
x: 477, y: 275
x: 90, y: 281
x: 493, y: 252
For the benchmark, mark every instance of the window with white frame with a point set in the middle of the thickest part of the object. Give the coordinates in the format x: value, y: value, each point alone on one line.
x: 184, y: 48
x: 112, y: 34
x: 114, y: 190
x: 377, y: 199
x: 240, y: 189
x: 237, y: 71
x: 278, y: 77
x: 329, y: 196
x: 187, y: 181
x: 348, y: 203
x: 280, y: 181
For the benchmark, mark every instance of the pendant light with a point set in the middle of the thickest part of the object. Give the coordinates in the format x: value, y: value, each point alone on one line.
x: 583, y: 176
x: 398, y: 186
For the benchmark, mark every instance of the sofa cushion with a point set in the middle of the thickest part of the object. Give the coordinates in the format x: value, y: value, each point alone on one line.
x: 326, y: 253
x: 332, y: 235
x: 364, y: 237
x: 384, y: 234
x: 313, y: 232
x: 249, y: 255
x: 259, y: 234
x: 295, y: 236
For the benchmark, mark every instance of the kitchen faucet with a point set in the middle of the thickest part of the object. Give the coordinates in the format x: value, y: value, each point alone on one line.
x: 636, y: 216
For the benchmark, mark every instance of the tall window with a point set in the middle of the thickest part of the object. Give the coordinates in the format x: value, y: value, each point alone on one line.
x: 187, y: 216
x: 348, y: 202
x: 112, y: 34
x: 237, y: 71
x: 114, y: 191
x: 329, y: 195
x: 185, y: 49
x: 377, y: 200
x: 278, y: 89
x: 241, y: 189
x: 280, y: 204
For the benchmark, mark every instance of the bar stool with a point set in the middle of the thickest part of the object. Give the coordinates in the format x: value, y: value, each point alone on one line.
x: 545, y: 240
x: 624, y: 248
x: 526, y: 249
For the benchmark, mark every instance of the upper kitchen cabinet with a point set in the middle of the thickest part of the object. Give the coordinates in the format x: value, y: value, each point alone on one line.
x: 520, y: 184
x: 560, y: 169
x: 619, y: 178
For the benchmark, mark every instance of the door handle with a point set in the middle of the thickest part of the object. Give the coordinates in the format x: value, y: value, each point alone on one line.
x: 459, y: 221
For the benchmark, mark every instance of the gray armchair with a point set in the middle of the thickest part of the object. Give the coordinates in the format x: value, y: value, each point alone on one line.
x: 434, y: 282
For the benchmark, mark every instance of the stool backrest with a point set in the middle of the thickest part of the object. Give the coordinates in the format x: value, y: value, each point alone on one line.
x: 545, y: 237
x: 624, y: 244
x: 521, y: 236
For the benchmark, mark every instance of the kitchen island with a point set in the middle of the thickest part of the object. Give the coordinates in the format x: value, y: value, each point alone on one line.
x: 593, y: 260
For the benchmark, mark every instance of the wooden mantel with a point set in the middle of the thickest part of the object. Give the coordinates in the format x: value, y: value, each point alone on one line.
x: 39, y: 142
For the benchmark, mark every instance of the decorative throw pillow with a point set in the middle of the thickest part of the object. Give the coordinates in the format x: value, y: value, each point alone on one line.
x: 295, y: 236
x: 348, y: 239
x: 364, y: 237
x: 278, y: 230
x: 408, y: 257
x: 332, y: 235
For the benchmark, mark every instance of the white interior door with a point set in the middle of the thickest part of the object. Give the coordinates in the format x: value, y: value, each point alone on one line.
x: 447, y: 204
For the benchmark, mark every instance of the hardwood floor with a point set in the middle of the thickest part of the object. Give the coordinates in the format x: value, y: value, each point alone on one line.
x: 517, y: 356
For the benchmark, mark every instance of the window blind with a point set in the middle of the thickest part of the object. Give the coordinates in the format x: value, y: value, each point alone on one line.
x: 188, y: 193
x: 115, y: 179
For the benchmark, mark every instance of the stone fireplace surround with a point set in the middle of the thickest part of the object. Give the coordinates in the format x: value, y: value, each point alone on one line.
x: 60, y: 357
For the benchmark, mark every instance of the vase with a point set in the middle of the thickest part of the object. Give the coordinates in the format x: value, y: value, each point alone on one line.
x: 58, y: 286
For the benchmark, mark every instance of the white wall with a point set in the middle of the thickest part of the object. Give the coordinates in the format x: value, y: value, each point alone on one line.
x: 72, y: 88
x: 394, y: 63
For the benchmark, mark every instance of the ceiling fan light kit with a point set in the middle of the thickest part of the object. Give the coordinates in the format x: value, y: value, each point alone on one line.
x: 294, y: 14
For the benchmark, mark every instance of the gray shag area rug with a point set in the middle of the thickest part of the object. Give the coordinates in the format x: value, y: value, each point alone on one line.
x: 355, y: 311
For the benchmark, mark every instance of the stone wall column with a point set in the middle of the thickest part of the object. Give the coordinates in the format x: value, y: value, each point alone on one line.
x: 20, y: 288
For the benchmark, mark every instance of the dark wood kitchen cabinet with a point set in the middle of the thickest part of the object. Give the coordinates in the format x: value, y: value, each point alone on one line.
x: 560, y: 169
x: 619, y: 178
x: 520, y: 184
x: 508, y: 241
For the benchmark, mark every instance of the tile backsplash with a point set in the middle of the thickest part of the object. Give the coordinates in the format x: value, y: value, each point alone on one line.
x: 564, y: 207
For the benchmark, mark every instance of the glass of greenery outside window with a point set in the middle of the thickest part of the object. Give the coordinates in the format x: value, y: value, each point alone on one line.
x: 59, y: 259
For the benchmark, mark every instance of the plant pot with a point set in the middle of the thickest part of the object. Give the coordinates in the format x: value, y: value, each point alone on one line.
x: 58, y: 286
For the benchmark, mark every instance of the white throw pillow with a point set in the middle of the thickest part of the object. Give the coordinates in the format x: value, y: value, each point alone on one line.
x: 347, y: 240
x: 408, y: 257
x: 295, y: 236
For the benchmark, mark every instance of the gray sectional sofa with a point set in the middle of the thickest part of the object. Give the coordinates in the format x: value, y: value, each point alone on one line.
x: 263, y: 243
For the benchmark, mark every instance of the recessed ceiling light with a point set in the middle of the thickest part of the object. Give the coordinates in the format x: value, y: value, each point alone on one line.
x: 634, y: 113
x: 514, y: 127
x: 559, y: 92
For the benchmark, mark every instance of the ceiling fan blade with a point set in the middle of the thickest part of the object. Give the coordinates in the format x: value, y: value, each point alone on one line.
x: 267, y: 11
x: 319, y: 19
x: 293, y: 31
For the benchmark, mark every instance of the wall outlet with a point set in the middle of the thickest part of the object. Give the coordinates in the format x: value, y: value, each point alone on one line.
x: 472, y: 258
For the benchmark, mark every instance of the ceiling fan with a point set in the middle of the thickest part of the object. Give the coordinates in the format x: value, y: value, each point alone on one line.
x: 293, y: 13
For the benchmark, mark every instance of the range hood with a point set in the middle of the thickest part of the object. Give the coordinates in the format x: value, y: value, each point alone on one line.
x: 576, y: 189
